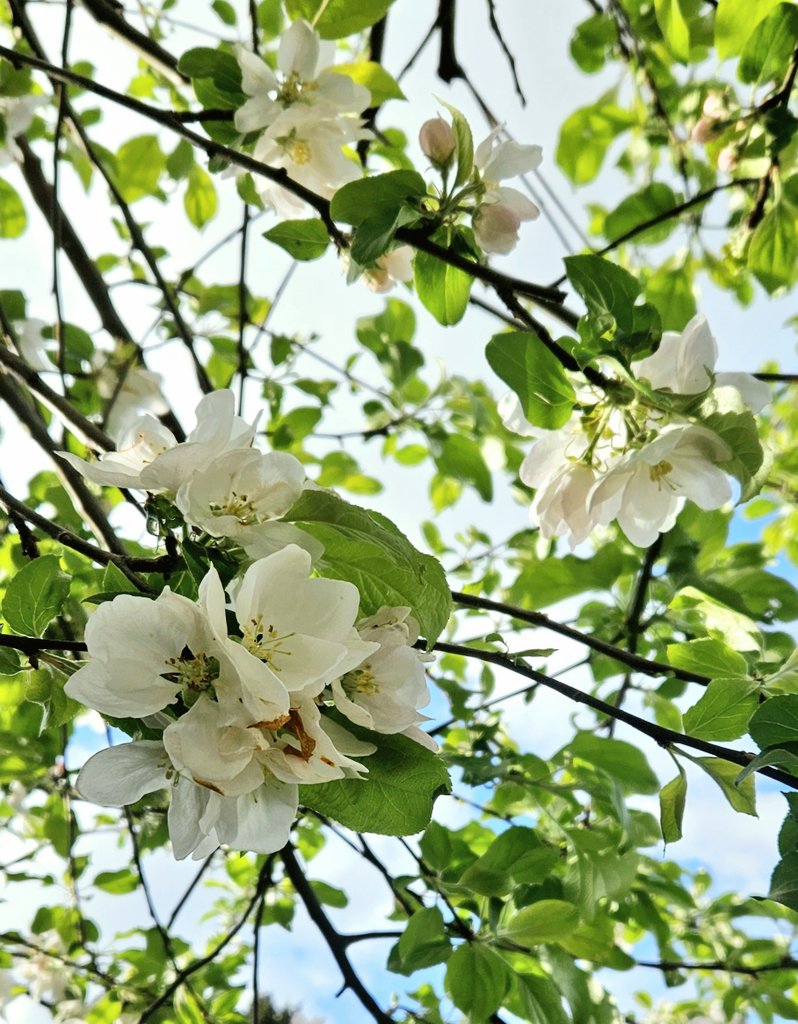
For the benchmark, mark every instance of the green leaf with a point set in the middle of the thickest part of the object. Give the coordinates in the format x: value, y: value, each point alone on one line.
x: 372, y: 197
x: 670, y: 289
x: 524, y: 363
x: 773, y: 252
x: 767, y: 52
x: 138, y: 168
x: 775, y: 722
x: 708, y: 657
x: 368, y: 550
x: 544, y: 921
x: 35, y: 596
x: 444, y: 290
x: 424, y: 941
x: 13, y: 218
x: 637, y: 209
x: 723, y: 711
x: 45, y: 686
x: 9, y: 662
x: 225, y: 11
x: 742, y: 796
x: 382, y: 85
x: 118, y: 883
x: 462, y: 459
x: 717, y: 618
x: 671, y: 807
x: 302, y: 239
x: 465, y: 145
x: 477, y: 980
x: 338, y: 18
x: 784, y: 756
x: 735, y: 21
x: 623, y: 761
x: 674, y: 28
x: 607, y: 289
x: 784, y: 882
x: 540, y: 999
x: 515, y: 857
x: 200, y: 200
x: 591, y: 40
x: 595, y: 873
x: 586, y: 136
x: 397, y: 796
x: 724, y: 412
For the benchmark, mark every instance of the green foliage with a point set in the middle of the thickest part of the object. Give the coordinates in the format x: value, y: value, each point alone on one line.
x: 13, y: 218
x: 368, y: 550
x: 338, y: 18
x: 35, y: 596
x: 535, y: 374
x: 396, y: 800
x: 302, y: 239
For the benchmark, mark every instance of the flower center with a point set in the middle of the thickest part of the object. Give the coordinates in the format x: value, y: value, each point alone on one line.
x: 193, y: 673
x: 299, y: 150
x: 294, y: 90
x: 238, y: 505
x: 660, y: 471
x: 265, y: 643
x: 360, y: 680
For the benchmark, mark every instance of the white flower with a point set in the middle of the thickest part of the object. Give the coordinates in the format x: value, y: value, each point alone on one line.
x: 17, y: 113
x: 144, y: 655
x: 396, y: 265
x: 304, y: 750
x: 44, y: 975
x: 501, y: 211
x: 199, y: 818
x: 241, y: 494
x: 647, y: 487
x: 309, y: 147
x: 301, y: 629
x: 685, y: 363
x: 511, y: 414
x: 31, y: 343
x: 385, y: 692
x: 301, y: 60
x: 150, y: 458
x: 499, y: 216
x: 139, y: 393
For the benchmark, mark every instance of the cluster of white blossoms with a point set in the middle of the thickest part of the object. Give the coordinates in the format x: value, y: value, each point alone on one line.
x: 497, y: 211
x: 305, y: 114
x: 635, y: 464
x: 243, y: 717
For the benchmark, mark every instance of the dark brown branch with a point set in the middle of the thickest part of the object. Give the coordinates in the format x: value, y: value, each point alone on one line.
x: 787, y: 963
x: 32, y: 645
x: 633, y: 660
x: 129, y: 563
x: 337, y: 943
x: 107, y: 13
x: 664, y: 737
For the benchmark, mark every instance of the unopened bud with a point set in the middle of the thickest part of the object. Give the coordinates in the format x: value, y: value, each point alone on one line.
x: 437, y: 141
x: 727, y: 159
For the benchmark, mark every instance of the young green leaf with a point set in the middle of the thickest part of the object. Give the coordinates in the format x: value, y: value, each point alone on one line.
x: 443, y: 289
x: 477, y: 980
x: 723, y: 711
x: 524, y: 363
x: 544, y: 921
x: 35, y: 595
x: 671, y: 807
x: 302, y: 239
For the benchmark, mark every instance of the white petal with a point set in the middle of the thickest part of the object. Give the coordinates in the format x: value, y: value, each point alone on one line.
x: 188, y: 802
x: 755, y: 393
x: 516, y: 201
x: 261, y: 821
x: 123, y: 774
x: 256, y: 76
x: 299, y: 51
x: 509, y: 159
x: 697, y: 357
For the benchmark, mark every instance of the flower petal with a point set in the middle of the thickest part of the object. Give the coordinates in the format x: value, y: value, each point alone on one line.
x: 123, y: 774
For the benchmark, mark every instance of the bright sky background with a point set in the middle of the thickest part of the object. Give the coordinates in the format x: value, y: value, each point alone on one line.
x: 739, y: 851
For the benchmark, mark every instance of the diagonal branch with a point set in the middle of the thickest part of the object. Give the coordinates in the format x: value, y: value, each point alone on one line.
x: 664, y: 737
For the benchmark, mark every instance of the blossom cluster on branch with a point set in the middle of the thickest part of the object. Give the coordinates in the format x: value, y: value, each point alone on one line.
x: 239, y: 696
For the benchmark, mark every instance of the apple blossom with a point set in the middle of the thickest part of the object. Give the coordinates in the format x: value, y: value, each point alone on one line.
x: 385, y: 692
x: 304, y: 79
x: 501, y: 210
x: 138, y: 393
x: 684, y: 363
x: 301, y: 629
x: 646, y: 489
x: 30, y: 341
x: 149, y: 456
x: 16, y: 114
x: 396, y: 265
x: 241, y: 495
x: 308, y: 146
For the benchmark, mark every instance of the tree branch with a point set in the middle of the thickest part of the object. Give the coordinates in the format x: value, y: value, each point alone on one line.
x: 337, y: 943
x: 664, y: 737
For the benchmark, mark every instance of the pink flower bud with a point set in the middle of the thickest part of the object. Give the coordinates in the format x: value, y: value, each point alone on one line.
x: 727, y: 159
x: 437, y: 141
x: 703, y: 130
x: 496, y: 227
